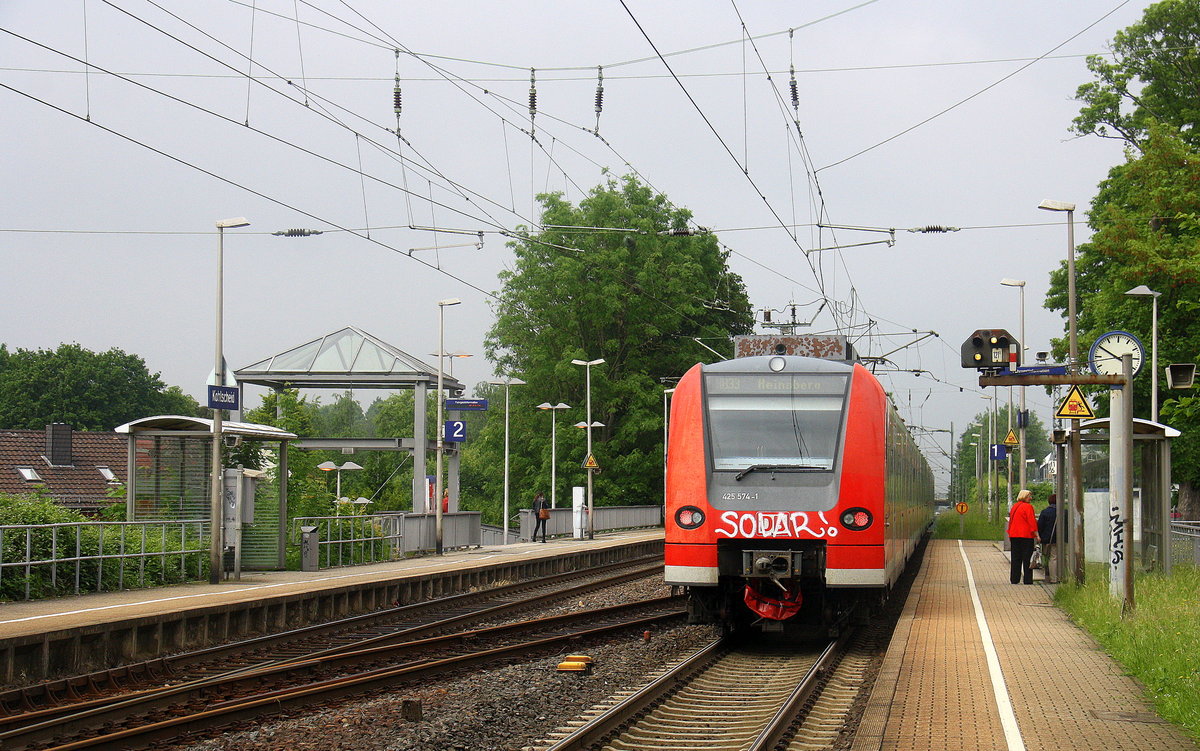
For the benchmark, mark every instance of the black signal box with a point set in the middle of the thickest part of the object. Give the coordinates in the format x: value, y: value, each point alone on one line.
x: 991, y: 349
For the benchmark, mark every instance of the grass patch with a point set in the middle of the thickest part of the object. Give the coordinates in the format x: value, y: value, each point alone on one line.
x: 1156, y: 643
x: 974, y: 525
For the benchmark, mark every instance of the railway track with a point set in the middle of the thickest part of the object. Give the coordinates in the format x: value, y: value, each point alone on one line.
x: 413, y: 620
x: 725, y: 696
x: 207, y: 701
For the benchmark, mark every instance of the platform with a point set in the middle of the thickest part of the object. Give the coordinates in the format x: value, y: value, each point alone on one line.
x: 979, y: 663
x: 69, y: 635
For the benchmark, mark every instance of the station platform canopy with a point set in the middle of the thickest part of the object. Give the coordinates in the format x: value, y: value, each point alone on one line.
x: 349, y: 358
x: 179, y: 425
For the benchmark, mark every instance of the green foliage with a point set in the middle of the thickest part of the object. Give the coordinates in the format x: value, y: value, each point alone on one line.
x: 1146, y: 230
x: 46, y: 543
x: 638, y: 298
x: 309, y: 490
x: 87, y: 390
x: 1037, y: 445
x: 973, y: 525
x: 1156, y: 643
x: 1149, y: 76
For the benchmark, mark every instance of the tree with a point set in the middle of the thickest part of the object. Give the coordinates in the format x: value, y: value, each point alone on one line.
x: 639, y: 297
x: 88, y: 390
x: 1146, y: 230
x: 1037, y: 445
x: 1150, y: 76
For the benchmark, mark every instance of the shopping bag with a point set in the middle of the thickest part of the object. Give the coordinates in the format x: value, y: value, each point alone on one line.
x: 1035, y: 560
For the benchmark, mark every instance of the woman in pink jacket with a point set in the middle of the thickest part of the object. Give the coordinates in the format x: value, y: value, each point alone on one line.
x: 1022, y: 530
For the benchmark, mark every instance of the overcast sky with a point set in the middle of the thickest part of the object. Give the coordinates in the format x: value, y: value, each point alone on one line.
x: 114, y: 179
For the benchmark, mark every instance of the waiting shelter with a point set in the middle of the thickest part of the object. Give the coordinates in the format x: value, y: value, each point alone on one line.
x: 169, y: 469
x: 351, y: 358
x: 1152, y: 511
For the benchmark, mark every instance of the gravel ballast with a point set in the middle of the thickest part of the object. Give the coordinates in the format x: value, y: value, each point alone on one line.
x: 506, y: 707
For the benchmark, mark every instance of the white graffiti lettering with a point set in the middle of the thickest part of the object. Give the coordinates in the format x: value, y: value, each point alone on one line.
x: 757, y: 524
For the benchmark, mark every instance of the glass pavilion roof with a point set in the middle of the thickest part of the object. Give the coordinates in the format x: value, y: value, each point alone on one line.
x: 347, y: 358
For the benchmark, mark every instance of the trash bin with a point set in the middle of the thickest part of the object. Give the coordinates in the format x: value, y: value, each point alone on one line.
x: 310, y: 549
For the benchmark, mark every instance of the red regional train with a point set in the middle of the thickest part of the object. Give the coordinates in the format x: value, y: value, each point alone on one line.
x: 795, y: 493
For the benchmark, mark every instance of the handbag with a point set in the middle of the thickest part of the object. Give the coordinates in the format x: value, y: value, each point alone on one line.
x: 1035, y: 560
x: 543, y: 513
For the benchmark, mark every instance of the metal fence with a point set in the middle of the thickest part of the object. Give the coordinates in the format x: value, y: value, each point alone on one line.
x: 561, y: 521
x: 49, y: 560
x: 373, y: 538
x: 1185, y: 543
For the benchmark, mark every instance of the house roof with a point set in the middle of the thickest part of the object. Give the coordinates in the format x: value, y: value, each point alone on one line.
x: 77, y: 485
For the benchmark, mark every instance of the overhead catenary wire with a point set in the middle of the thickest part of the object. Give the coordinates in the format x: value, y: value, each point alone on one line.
x: 987, y: 88
x: 361, y: 170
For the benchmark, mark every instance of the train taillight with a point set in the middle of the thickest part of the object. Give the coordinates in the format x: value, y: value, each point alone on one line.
x: 856, y: 519
x: 689, y: 517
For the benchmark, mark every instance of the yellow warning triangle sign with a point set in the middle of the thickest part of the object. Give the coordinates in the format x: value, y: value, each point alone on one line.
x: 1075, y: 406
x: 591, y: 463
x: 1011, y: 439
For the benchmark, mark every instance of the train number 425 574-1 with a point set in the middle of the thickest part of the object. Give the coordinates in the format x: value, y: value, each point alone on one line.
x: 739, y: 496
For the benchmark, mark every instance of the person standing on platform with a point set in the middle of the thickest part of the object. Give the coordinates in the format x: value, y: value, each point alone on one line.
x: 1048, y: 533
x: 541, y: 512
x: 1022, y: 529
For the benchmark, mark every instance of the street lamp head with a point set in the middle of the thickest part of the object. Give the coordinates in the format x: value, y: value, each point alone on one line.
x: 587, y: 362
x: 548, y: 405
x: 508, y: 382
x: 1012, y: 282
x: 231, y: 223
x: 450, y: 301
x: 350, y: 465
x: 327, y: 466
x: 1142, y: 291
x: 1049, y: 205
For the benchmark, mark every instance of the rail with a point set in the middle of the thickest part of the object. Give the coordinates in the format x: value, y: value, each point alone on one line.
x: 51, y: 560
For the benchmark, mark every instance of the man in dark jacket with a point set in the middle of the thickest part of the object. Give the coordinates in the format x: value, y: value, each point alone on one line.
x: 1048, y: 534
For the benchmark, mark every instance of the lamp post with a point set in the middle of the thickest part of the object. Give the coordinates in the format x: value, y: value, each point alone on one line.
x: 991, y: 443
x: 331, y: 467
x: 441, y: 429
x: 587, y: 365
x: 1143, y: 291
x: 1076, y: 446
x: 978, y: 444
x: 216, y: 541
x: 1020, y: 284
x: 554, y: 408
x: 506, y: 383
x: 453, y: 356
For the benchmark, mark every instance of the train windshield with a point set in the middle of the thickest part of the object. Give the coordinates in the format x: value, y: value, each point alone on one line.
x: 775, y: 421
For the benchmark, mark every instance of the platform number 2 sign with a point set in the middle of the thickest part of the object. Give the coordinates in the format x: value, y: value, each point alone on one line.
x: 455, y: 431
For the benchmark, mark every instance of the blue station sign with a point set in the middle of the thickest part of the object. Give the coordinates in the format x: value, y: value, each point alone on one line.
x: 222, y: 397
x: 467, y: 405
x: 455, y: 431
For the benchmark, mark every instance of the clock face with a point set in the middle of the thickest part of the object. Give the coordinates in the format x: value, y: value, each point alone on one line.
x: 1106, y: 353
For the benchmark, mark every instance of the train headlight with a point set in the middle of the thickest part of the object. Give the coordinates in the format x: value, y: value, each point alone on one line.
x: 856, y: 519
x: 689, y: 517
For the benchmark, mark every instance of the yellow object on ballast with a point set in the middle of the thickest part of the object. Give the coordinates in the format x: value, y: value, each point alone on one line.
x: 574, y: 667
x: 578, y: 658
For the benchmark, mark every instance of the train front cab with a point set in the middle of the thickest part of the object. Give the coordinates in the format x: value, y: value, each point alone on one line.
x: 822, y: 538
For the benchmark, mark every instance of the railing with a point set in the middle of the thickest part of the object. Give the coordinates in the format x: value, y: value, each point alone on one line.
x: 352, y: 540
x: 51, y: 560
x: 1185, y: 543
x: 373, y: 538
x: 607, y: 518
